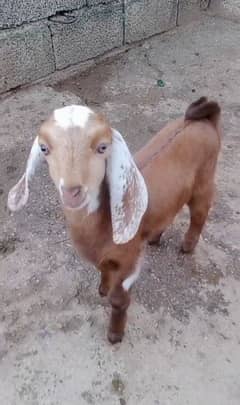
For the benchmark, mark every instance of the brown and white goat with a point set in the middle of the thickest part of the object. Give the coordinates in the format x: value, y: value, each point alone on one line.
x: 114, y: 203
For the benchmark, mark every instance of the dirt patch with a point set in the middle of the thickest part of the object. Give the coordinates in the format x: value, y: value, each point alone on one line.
x: 8, y: 245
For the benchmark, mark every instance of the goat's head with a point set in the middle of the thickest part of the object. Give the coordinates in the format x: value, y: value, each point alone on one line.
x: 81, y: 150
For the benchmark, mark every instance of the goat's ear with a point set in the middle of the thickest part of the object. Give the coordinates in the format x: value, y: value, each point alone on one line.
x: 18, y: 195
x: 128, y: 191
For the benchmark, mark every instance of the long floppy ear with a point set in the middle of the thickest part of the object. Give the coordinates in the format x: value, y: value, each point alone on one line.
x: 128, y: 191
x: 18, y: 195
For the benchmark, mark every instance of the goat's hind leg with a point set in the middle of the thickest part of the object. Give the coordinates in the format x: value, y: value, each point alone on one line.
x: 199, y: 206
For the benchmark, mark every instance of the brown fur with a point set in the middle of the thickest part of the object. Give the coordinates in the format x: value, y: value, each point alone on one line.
x: 178, y: 166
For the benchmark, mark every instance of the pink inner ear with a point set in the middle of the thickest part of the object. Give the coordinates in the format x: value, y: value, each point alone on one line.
x: 18, y: 195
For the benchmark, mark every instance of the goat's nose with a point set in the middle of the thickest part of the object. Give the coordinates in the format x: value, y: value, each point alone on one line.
x: 72, y: 191
x: 72, y: 197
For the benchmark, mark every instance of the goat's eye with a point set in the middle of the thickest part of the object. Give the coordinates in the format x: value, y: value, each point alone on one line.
x: 44, y: 149
x: 102, y: 148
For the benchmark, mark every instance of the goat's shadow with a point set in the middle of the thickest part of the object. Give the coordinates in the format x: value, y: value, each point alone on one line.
x: 177, y: 282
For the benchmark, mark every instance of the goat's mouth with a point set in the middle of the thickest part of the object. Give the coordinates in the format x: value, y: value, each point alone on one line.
x: 74, y: 201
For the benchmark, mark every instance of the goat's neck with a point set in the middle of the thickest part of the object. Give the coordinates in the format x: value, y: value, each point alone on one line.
x: 90, y: 232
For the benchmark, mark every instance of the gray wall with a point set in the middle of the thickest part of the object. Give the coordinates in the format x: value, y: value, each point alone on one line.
x: 226, y: 8
x: 35, y: 39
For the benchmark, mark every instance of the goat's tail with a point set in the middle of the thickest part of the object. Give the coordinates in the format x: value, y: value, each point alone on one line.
x: 203, y: 109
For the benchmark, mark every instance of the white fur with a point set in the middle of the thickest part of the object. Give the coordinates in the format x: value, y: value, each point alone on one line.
x: 123, y: 174
x: 18, y: 195
x: 34, y: 159
x: 72, y: 116
x: 128, y: 282
x: 93, y: 203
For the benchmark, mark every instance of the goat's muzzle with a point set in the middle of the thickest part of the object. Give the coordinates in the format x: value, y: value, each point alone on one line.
x: 73, y: 197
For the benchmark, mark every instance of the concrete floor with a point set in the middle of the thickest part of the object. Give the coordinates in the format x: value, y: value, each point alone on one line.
x: 182, y: 344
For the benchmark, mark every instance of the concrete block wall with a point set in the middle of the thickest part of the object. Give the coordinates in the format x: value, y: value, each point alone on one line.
x: 226, y: 8
x: 95, y: 31
x: 26, y: 54
x: 38, y: 37
x: 148, y: 17
x: 16, y: 12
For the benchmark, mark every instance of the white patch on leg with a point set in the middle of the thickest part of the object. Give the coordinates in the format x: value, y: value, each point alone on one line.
x: 128, y: 282
x: 72, y: 116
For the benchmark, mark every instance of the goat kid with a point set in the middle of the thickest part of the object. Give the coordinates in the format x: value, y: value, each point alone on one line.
x: 114, y: 203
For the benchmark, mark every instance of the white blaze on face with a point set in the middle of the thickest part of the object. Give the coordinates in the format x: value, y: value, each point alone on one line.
x: 72, y: 116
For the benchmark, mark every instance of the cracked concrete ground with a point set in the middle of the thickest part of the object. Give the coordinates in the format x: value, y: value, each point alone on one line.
x: 182, y: 344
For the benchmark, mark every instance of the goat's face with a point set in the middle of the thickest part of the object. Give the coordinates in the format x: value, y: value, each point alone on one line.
x: 81, y: 149
x: 76, y: 143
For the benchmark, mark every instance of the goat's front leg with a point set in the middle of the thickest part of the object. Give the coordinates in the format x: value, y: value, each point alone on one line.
x: 119, y: 299
x: 104, y: 284
x: 155, y: 239
x: 108, y: 271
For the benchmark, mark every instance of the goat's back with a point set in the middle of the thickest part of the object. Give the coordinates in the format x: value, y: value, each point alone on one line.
x: 181, y: 157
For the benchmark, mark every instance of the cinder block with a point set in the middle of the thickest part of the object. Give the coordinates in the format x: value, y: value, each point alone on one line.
x: 226, y: 8
x: 189, y: 10
x: 97, y: 30
x: 26, y: 54
x: 17, y: 12
x: 95, y: 2
x: 148, y: 17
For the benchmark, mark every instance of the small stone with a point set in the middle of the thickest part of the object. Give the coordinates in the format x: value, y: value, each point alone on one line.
x: 118, y: 384
x: 160, y: 83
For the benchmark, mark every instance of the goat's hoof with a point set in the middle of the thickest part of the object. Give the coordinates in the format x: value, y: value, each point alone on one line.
x: 114, y: 337
x: 187, y: 247
x: 103, y: 290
